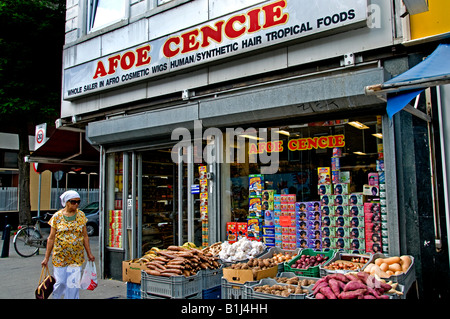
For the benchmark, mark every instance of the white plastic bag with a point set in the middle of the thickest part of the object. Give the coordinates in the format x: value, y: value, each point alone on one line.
x: 89, y: 279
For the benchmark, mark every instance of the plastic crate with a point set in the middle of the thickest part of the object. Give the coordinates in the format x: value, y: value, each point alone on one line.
x: 391, y: 296
x: 212, y: 293
x: 211, y: 277
x: 291, y: 274
x: 133, y: 291
x: 276, y: 250
x: 311, y: 271
x: 175, y: 287
x: 233, y: 290
x: 406, y: 279
x: 342, y: 256
x: 252, y: 294
x: 146, y: 295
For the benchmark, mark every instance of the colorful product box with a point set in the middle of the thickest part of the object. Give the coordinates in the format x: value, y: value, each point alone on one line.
x: 373, y: 179
x: 340, y: 189
x: 324, y: 175
x: 324, y: 189
x: 315, y: 244
x: 335, y: 177
x: 241, y: 229
x: 344, y: 177
x: 340, y: 199
x: 357, y: 233
x: 268, y: 195
x: 335, y: 164
x: 341, y: 210
x: 254, y: 230
x: 231, y: 232
x: 371, y: 190
x: 269, y: 218
x: 356, y: 210
x: 256, y: 185
x: 355, y: 199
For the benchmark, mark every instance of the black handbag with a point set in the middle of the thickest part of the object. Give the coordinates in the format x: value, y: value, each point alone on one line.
x: 46, y: 283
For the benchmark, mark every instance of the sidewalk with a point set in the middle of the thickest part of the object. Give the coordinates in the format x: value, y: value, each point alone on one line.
x: 19, y: 276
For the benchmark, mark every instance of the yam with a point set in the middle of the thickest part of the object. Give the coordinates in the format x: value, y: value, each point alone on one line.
x: 333, y: 283
x: 327, y: 292
x: 405, y: 261
x: 395, y: 267
x: 354, y: 285
x: 153, y: 272
x: 352, y: 294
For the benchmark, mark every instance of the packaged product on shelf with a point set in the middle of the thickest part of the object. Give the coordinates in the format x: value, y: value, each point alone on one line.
x: 341, y: 210
x: 269, y: 218
x: 269, y: 230
x: 340, y: 199
x: 268, y: 194
x: 371, y: 190
x: 324, y: 189
x: 344, y: 177
x: 231, y: 232
x: 335, y: 164
x: 340, y: 189
x: 325, y: 200
x: 326, y: 211
x: 241, y: 229
x: 337, y: 151
x: 204, y: 212
x: 372, y: 179
x: 357, y: 233
x: 254, y: 229
x: 356, y: 210
x: 380, y: 165
x: 269, y: 240
x: 324, y: 175
x: 254, y: 207
x: 355, y: 199
x: 335, y: 176
x: 256, y: 185
x: 267, y: 205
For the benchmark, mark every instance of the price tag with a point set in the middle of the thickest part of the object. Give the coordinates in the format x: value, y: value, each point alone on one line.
x: 285, y: 221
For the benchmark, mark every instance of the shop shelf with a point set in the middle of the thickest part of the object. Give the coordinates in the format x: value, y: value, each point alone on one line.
x: 342, y: 256
x: 133, y: 291
x: 233, y: 290
x: 252, y: 294
x: 212, y: 293
x: 311, y: 271
x: 175, y: 287
x: 211, y: 277
x: 276, y: 250
x: 406, y: 279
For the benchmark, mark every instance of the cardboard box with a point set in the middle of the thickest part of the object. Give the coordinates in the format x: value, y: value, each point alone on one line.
x: 131, y: 272
x: 241, y: 276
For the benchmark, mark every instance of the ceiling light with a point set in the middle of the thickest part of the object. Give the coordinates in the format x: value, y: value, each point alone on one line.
x: 379, y: 135
x: 358, y: 125
x: 283, y: 132
x: 359, y: 153
x: 252, y: 137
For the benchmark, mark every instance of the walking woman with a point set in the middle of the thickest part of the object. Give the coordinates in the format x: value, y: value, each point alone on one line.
x: 68, y: 239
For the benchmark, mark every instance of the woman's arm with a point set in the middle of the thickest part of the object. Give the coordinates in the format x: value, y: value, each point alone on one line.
x: 86, y: 244
x: 50, y: 242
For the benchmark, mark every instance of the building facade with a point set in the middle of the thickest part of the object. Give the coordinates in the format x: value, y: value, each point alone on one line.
x: 214, y: 117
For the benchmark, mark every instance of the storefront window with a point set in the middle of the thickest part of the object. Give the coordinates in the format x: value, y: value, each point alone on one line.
x: 327, y: 191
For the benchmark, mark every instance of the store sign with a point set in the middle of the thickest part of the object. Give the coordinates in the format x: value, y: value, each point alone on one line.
x: 40, y: 135
x: 299, y: 144
x: 255, y: 28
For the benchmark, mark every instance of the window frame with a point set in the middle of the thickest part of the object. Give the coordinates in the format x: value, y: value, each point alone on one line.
x: 90, y: 18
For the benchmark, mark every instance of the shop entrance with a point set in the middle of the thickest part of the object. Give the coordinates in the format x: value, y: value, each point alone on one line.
x: 174, y: 197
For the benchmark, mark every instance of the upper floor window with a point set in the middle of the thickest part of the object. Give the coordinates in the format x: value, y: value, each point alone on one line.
x: 105, y: 12
x: 160, y: 2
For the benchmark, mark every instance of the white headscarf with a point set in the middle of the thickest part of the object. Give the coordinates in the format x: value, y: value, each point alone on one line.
x: 68, y: 196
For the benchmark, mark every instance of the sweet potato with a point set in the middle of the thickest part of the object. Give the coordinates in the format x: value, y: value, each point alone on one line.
x: 369, y: 297
x: 373, y: 292
x: 339, y: 277
x: 363, y: 276
x: 153, y: 272
x: 317, y: 287
x: 354, y: 285
x: 353, y: 294
x: 327, y: 292
x: 320, y: 296
x: 333, y: 283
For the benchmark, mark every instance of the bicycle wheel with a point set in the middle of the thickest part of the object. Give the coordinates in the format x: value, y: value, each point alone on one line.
x: 22, y: 241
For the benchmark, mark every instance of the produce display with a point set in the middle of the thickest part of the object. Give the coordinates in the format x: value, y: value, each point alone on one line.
x: 353, y: 285
x: 281, y: 290
x: 355, y: 263
x: 255, y: 264
x: 282, y: 257
x: 241, y: 250
x: 386, y: 267
x: 306, y: 261
x: 178, y: 260
x: 296, y: 281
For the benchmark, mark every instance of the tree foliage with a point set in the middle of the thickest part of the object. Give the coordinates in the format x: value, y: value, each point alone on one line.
x: 31, y: 43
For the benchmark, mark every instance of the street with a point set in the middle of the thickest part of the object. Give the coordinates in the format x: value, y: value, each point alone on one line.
x: 19, y: 276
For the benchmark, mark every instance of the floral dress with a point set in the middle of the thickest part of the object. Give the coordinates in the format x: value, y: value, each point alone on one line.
x: 68, y: 247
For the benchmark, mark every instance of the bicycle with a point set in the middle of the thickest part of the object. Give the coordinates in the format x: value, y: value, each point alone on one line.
x: 28, y: 238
